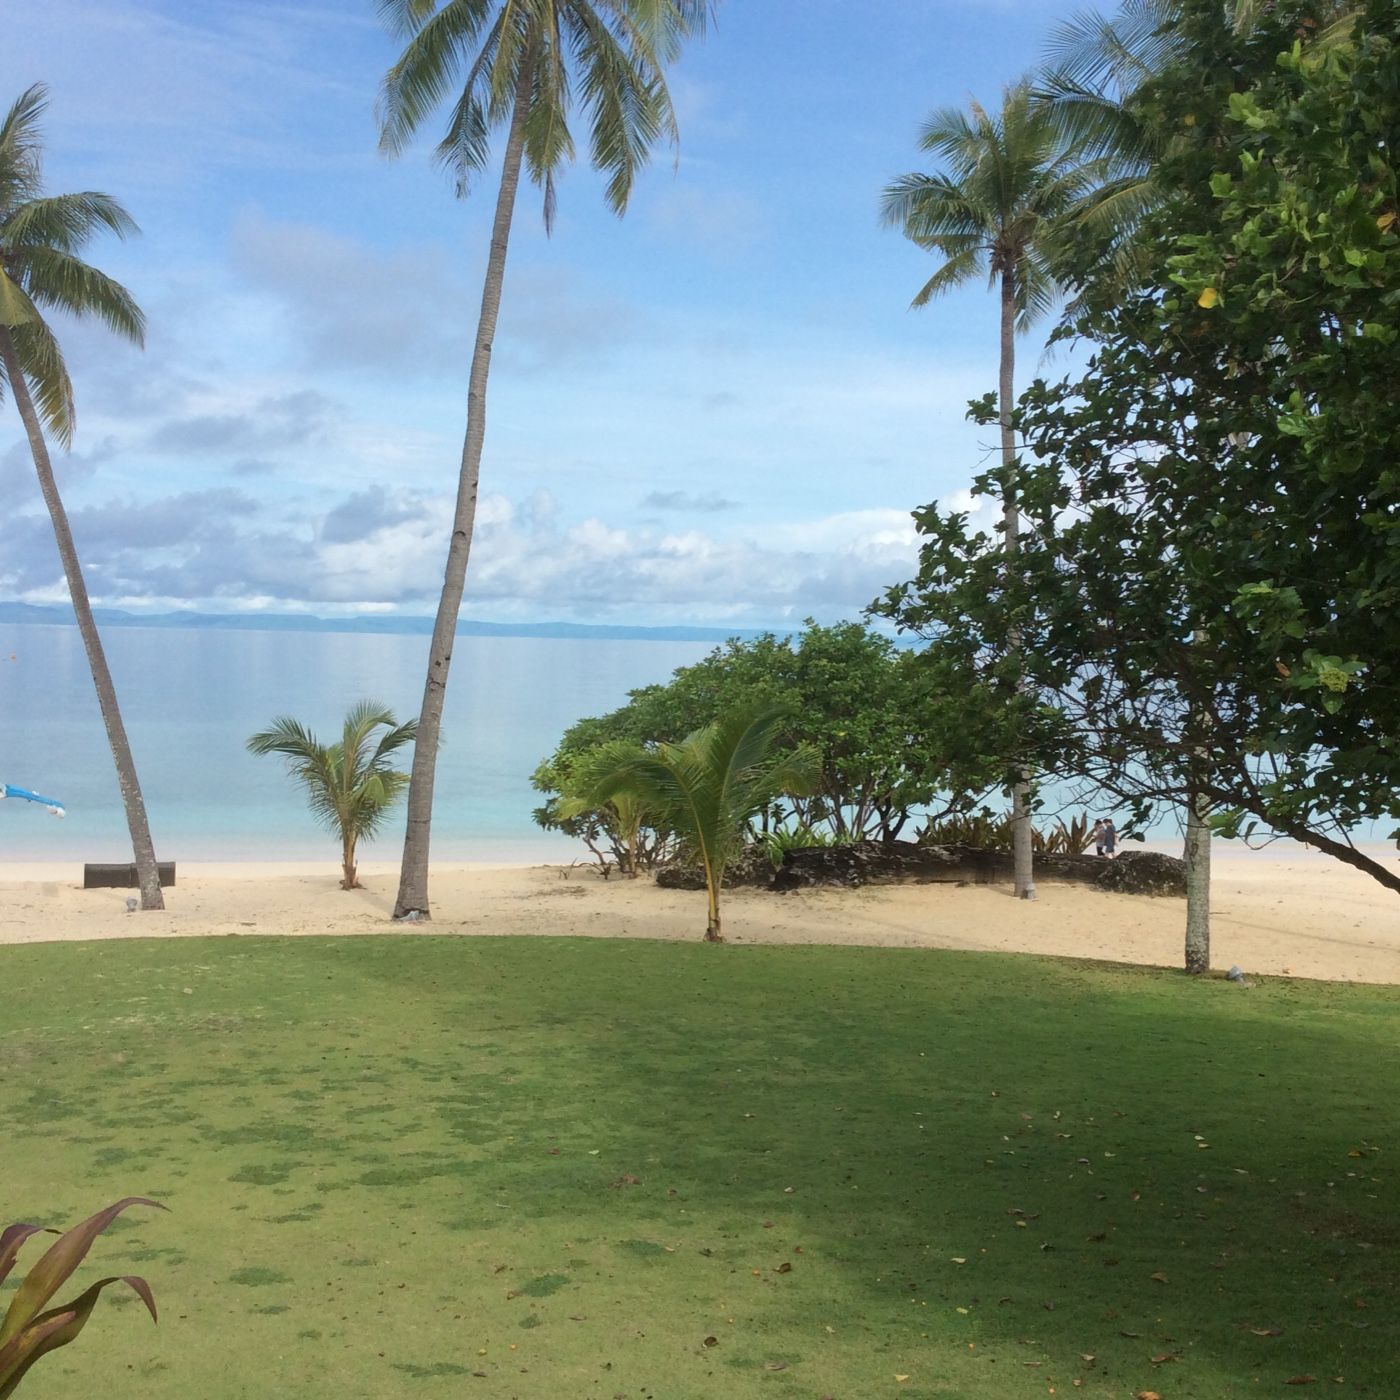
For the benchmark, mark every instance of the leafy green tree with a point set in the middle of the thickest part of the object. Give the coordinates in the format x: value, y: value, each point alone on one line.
x: 1210, y: 588
x: 40, y: 271
x: 623, y: 814
x: 711, y: 784
x: 350, y: 785
x: 527, y: 66
x: 893, y: 734
x: 997, y: 209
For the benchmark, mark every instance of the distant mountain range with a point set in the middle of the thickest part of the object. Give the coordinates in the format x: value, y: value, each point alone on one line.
x: 411, y: 626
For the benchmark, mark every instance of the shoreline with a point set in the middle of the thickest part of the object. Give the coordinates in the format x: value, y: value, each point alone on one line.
x: 1303, y: 916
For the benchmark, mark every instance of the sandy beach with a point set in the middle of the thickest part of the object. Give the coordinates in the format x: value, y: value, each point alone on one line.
x: 1295, y: 914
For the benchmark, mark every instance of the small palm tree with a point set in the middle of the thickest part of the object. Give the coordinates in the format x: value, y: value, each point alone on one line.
x: 712, y: 783
x: 350, y: 786
x: 525, y: 65
x: 40, y: 238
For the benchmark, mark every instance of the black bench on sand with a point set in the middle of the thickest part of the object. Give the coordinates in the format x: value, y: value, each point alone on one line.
x: 123, y: 877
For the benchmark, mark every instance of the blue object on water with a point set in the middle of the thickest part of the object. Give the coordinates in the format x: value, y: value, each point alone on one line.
x: 52, y: 803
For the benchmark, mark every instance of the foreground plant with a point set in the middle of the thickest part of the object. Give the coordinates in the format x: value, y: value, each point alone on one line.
x: 28, y: 1332
x: 349, y: 785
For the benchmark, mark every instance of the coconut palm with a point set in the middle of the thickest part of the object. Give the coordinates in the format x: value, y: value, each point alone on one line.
x: 350, y: 785
x: 527, y: 66
x: 709, y: 785
x: 996, y: 209
x: 40, y: 271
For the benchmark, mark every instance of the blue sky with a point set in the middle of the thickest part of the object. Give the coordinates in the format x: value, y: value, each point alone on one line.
x: 717, y: 410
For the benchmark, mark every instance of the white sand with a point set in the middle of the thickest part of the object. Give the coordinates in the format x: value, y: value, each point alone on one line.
x: 1299, y: 913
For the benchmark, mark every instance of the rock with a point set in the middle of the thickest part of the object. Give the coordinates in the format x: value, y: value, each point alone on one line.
x: 904, y: 862
x: 750, y: 869
x: 1235, y: 974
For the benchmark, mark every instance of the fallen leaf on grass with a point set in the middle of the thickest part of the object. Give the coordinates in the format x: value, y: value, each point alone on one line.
x: 1300, y: 1380
x: 1159, y: 1277
x: 1163, y: 1357
x: 784, y: 1268
x: 1267, y: 1331
x: 775, y: 1365
x: 626, y: 1179
x: 1147, y: 1395
x: 899, y: 1377
x: 710, y: 1342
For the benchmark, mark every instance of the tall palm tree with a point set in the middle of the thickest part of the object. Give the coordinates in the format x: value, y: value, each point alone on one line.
x: 524, y: 65
x: 709, y: 785
x: 350, y: 785
x: 40, y: 238
x: 995, y: 210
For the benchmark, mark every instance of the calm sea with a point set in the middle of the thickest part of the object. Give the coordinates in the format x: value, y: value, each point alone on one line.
x: 191, y: 698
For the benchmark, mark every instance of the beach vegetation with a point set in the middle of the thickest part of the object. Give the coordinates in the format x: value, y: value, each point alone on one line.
x: 1205, y: 597
x: 42, y: 272
x: 709, y: 786
x: 893, y: 735
x: 351, y: 784
x: 30, y: 1329
x: 528, y: 67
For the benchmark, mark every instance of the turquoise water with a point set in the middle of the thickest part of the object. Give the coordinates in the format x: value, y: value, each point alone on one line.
x: 191, y: 698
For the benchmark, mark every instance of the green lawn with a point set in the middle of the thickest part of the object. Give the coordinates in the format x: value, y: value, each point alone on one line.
x: 544, y: 1168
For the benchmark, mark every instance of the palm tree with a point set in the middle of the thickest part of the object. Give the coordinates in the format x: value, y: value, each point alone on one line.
x: 40, y: 238
x: 710, y: 784
x: 995, y: 210
x: 523, y: 65
x: 349, y: 785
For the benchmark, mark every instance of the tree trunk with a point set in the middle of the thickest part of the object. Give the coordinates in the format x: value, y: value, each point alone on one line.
x: 143, y: 849
x: 1197, y: 884
x: 714, y: 879
x: 413, y: 875
x: 347, y: 864
x: 1023, y: 858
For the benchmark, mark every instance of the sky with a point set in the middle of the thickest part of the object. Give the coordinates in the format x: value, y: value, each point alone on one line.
x: 718, y: 410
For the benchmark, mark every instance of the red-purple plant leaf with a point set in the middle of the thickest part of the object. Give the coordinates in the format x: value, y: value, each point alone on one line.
x: 10, y: 1241
x: 55, y: 1267
x: 57, y: 1327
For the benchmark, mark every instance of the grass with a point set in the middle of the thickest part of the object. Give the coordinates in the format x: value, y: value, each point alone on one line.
x: 541, y: 1168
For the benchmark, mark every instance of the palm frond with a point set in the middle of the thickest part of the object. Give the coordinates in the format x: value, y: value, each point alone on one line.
x: 39, y: 355
x: 65, y: 221
x: 58, y: 279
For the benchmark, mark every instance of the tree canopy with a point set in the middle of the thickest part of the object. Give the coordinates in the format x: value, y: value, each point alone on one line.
x: 1209, y: 579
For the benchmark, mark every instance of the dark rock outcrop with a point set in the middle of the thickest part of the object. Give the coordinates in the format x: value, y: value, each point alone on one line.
x: 903, y: 862
x: 750, y: 869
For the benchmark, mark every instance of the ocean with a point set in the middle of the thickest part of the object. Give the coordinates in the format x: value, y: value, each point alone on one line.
x: 191, y: 698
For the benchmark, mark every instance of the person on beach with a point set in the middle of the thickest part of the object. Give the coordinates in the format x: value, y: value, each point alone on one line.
x: 1096, y: 836
x: 1110, y: 840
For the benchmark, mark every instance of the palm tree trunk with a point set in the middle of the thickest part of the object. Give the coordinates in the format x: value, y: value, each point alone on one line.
x: 413, y: 875
x: 1197, y: 883
x: 147, y: 872
x: 347, y: 864
x: 713, y: 932
x: 1022, y: 856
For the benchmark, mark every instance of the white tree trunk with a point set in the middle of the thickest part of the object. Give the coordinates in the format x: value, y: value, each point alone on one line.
x: 1197, y: 884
